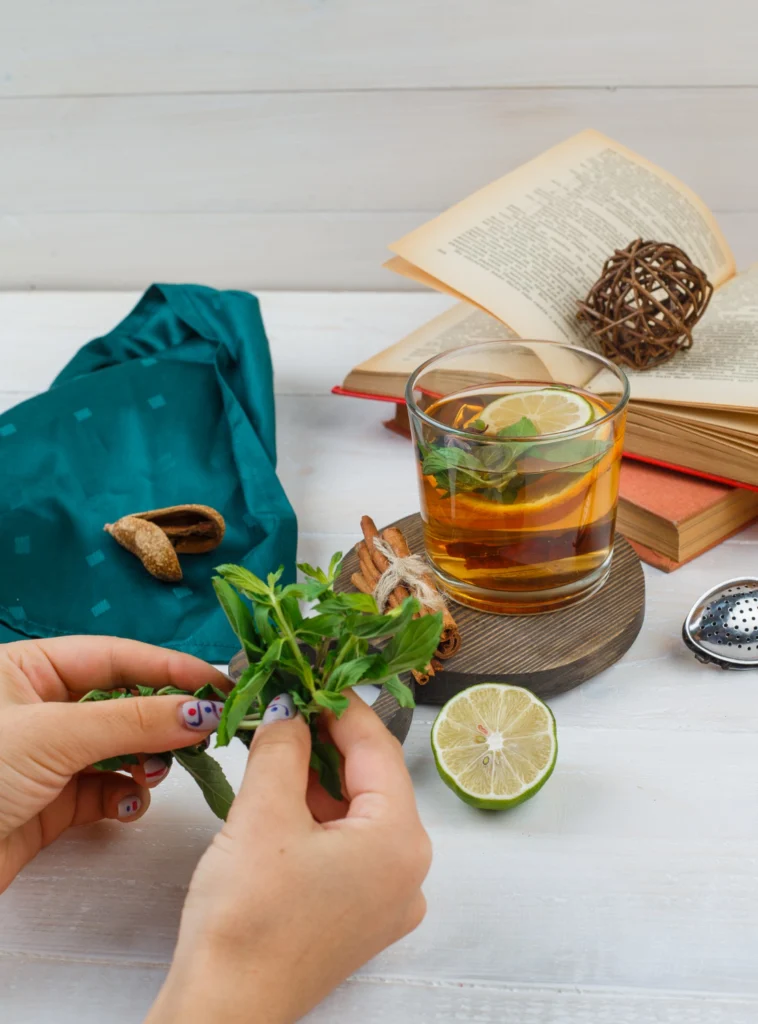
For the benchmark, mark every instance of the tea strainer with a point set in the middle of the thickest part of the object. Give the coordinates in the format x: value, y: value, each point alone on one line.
x: 722, y: 627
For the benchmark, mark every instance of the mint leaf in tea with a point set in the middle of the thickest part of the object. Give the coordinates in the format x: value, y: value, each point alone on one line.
x: 519, y: 486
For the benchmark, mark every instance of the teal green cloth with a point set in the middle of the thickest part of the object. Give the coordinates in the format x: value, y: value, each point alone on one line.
x: 174, y: 406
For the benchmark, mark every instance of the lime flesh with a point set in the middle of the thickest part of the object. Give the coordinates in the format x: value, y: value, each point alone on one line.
x: 551, y: 410
x: 495, y: 745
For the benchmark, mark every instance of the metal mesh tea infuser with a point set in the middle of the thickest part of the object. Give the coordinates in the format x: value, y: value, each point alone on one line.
x: 722, y: 627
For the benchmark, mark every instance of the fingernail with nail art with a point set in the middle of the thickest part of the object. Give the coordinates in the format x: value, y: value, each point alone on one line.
x: 129, y: 806
x: 281, y: 709
x: 155, y: 769
x: 202, y: 715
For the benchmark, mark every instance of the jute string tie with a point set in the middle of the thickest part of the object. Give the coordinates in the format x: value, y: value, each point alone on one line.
x: 410, y: 571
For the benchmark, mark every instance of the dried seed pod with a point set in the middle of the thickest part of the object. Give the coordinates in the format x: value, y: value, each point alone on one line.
x: 150, y: 544
x: 192, y: 529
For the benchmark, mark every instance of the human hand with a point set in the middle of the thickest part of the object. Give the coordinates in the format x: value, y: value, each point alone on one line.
x: 47, y: 741
x: 297, y: 890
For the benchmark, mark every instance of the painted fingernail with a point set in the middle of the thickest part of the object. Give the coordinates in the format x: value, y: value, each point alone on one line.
x: 280, y: 709
x: 129, y: 806
x: 155, y: 769
x: 203, y: 715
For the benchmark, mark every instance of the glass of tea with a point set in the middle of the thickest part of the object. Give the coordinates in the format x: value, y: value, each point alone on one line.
x: 518, y: 445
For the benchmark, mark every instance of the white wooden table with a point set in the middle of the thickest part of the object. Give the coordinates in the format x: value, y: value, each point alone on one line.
x: 626, y: 891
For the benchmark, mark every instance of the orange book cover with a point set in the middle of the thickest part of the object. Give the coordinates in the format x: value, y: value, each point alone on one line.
x: 674, y: 499
x: 671, y: 496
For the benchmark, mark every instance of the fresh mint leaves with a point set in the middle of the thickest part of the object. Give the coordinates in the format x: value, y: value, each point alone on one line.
x: 497, y: 470
x: 114, y: 764
x: 314, y: 659
x: 207, y: 772
x: 521, y: 428
x: 209, y: 775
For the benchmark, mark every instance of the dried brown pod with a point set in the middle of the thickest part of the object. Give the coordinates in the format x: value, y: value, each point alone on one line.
x: 150, y: 544
x: 192, y: 529
x: 645, y: 303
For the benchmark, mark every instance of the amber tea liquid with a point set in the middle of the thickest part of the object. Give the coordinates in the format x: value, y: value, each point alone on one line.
x: 516, y: 525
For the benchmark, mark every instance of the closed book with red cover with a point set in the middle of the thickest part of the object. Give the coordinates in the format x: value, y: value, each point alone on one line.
x: 673, y: 517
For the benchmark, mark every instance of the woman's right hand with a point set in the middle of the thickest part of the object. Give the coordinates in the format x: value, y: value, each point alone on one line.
x: 284, y: 904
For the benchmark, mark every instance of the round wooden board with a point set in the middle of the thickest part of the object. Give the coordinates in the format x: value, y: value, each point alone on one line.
x: 548, y: 653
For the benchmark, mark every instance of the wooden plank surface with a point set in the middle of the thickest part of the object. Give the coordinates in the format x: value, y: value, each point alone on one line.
x: 625, y: 891
x: 308, y: 189
x: 101, y: 46
x: 258, y: 251
x: 617, y: 875
x: 117, y: 993
x: 350, y: 151
x: 285, y: 143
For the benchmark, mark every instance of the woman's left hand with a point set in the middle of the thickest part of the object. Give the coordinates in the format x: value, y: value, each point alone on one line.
x: 48, y: 740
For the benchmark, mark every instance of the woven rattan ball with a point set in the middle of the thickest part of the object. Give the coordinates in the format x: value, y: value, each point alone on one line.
x: 647, y: 300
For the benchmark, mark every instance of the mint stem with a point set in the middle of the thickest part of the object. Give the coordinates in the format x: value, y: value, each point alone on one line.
x: 294, y: 646
x: 341, y: 656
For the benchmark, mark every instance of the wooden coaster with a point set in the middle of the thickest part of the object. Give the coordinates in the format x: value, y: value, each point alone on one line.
x: 547, y: 653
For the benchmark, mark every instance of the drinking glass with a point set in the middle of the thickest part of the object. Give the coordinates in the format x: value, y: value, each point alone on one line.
x: 518, y: 446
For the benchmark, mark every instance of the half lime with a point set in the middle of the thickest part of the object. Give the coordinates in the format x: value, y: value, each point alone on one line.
x: 495, y: 745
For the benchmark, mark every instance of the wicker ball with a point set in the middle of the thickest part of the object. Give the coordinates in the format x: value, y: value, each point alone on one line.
x: 647, y: 300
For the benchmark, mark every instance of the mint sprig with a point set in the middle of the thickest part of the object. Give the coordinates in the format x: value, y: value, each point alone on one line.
x: 204, y: 769
x: 496, y: 470
x: 344, y: 642
x: 316, y: 658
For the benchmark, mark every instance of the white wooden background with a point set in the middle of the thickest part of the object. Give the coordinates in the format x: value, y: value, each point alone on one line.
x: 284, y: 143
x: 626, y: 892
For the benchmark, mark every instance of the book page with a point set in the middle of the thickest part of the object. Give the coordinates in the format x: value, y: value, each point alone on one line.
x: 678, y: 428
x: 719, y: 372
x: 721, y: 368
x: 726, y: 463
x: 529, y: 245
x: 461, y: 325
x: 412, y: 272
x: 725, y: 422
x: 465, y: 325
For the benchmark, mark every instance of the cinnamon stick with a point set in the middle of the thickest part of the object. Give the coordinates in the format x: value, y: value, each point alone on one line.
x: 371, y: 574
x: 370, y: 533
x: 368, y: 568
x: 434, y: 666
x: 359, y: 582
x: 373, y: 564
x: 450, y: 639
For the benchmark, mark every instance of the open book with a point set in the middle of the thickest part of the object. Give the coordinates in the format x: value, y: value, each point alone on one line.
x: 521, y: 252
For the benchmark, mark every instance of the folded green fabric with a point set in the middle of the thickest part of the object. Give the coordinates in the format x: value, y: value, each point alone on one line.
x: 174, y: 406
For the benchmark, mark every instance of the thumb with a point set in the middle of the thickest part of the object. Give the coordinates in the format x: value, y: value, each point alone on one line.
x: 72, y: 736
x: 276, y: 777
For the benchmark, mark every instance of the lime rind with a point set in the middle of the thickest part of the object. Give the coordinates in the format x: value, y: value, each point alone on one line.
x: 551, y: 409
x: 492, y: 801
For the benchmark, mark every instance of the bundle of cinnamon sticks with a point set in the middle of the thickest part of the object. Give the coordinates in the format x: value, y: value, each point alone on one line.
x: 373, y: 564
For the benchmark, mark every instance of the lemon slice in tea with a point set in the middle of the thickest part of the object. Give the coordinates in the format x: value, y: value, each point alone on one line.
x: 495, y: 745
x: 550, y: 410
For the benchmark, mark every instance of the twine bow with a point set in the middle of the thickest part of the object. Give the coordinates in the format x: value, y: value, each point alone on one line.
x: 410, y: 571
